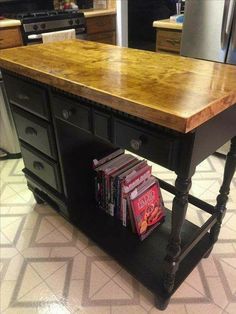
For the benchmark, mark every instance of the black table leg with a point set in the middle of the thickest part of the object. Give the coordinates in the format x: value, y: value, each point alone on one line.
x: 180, y: 204
x: 222, y: 198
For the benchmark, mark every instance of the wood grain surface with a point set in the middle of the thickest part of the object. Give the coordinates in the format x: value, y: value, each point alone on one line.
x: 176, y: 92
x: 168, y: 24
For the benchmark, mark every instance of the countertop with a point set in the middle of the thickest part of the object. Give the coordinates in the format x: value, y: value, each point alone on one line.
x: 9, y: 23
x: 176, y: 92
x: 95, y: 12
x: 88, y: 13
x: 168, y: 24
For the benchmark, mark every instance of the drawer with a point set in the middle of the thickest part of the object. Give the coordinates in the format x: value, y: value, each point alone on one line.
x: 105, y: 38
x: 27, y: 95
x: 169, y: 40
x: 34, y: 131
x: 10, y: 37
x: 157, y: 147
x: 72, y: 111
x: 42, y: 167
x: 98, y: 24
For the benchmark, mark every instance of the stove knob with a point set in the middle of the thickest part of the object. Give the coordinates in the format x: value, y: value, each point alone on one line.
x: 77, y: 21
x: 70, y: 22
x: 35, y: 27
x: 43, y: 26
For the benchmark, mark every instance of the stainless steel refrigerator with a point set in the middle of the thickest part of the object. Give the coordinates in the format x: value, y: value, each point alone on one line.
x: 209, y: 30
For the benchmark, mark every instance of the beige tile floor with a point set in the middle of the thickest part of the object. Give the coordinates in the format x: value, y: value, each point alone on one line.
x: 47, y: 266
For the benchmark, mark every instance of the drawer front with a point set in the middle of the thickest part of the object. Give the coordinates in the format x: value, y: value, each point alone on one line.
x: 169, y: 40
x: 34, y: 131
x: 27, y: 95
x: 42, y: 167
x: 156, y: 147
x: 100, y: 24
x: 105, y: 38
x: 72, y: 111
x: 10, y: 37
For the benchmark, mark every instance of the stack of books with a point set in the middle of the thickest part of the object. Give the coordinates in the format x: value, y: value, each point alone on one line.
x: 126, y: 189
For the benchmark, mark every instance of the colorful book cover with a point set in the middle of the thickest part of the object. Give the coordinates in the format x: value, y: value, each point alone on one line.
x: 147, y: 207
x: 138, y: 178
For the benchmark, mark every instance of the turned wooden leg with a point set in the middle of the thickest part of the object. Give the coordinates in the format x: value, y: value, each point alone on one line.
x: 180, y: 204
x: 222, y: 198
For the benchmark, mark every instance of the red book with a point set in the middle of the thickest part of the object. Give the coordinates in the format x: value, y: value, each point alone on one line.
x: 147, y: 207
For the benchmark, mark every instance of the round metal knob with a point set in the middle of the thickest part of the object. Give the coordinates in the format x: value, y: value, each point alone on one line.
x: 135, y: 144
x: 35, y: 27
x: 30, y: 131
x: 38, y: 165
x: 66, y: 114
x: 43, y: 25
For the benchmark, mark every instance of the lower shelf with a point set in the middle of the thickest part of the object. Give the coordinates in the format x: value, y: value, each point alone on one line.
x: 143, y: 259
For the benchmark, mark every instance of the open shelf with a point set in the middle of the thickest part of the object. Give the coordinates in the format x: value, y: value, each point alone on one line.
x: 143, y: 259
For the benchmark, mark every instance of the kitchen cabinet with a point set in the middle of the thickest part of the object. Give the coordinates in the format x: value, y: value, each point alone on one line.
x: 10, y: 37
x: 102, y: 28
x: 168, y: 36
x: 91, y: 107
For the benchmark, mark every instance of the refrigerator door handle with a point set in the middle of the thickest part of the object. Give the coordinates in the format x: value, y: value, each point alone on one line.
x: 227, y: 22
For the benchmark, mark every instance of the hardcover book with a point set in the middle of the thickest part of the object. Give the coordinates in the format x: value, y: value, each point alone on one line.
x: 147, y: 207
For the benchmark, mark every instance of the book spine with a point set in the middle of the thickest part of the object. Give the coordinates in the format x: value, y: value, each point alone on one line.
x: 124, y: 212
x: 137, y: 180
x: 116, y: 153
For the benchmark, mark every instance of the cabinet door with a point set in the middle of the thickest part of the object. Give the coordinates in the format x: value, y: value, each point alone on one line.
x: 105, y: 38
x: 10, y: 37
x: 99, y: 24
x: 168, y: 40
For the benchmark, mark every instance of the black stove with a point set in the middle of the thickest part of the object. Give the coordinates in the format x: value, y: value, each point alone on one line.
x: 36, y: 23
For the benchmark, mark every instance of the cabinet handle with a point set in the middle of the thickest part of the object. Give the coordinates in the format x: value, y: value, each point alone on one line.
x: 66, y: 113
x: 136, y: 144
x: 23, y: 97
x: 38, y: 165
x: 173, y: 41
x: 30, y: 131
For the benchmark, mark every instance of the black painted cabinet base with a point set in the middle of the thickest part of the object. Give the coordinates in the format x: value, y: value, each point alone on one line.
x: 142, y: 259
x: 77, y: 130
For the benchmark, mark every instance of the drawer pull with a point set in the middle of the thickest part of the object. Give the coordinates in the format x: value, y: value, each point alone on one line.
x: 173, y: 41
x: 66, y: 114
x: 38, y: 165
x: 135, y: 144
x: 23, y: 97
x: 30, y: 131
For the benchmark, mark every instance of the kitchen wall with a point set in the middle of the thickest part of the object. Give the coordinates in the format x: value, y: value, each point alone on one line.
x: 109, y: 3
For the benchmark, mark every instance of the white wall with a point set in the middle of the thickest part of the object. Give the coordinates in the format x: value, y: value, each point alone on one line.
x: 122, y: 22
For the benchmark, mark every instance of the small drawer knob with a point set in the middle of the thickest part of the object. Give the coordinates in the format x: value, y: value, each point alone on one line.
x: 23, y: 97
x: 66, y: 114
x: 136, y: 144
x: 30, y: 131
x: 38, y: 165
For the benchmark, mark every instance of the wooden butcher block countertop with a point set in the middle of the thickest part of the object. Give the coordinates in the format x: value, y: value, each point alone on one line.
x: 168, y: 24
x: 176, y: 92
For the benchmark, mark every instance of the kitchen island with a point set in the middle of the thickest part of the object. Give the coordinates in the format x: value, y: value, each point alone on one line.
x: 75, y: 101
